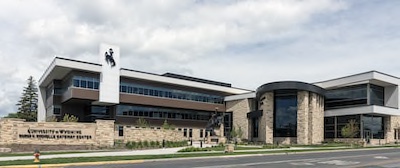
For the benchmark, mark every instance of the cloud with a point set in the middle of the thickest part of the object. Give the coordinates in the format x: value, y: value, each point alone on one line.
x: 244, y: 42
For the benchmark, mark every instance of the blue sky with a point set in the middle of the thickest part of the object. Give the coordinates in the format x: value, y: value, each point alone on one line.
x: 246, y: 43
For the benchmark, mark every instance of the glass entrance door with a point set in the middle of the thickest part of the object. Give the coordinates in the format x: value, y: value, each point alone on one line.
x: 367, y: 136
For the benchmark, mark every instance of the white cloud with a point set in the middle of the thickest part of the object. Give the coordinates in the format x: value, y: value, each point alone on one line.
x: 245, y: 42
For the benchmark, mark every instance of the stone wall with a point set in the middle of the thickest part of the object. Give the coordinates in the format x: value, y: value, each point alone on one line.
x: 316, y: 119
x: 17, y: 131
x: 310, y: 118
x: 147, y: 134
x: 266, y: 123
x: 240, y: 108
x: 391, y: 123
x: 303, y: 117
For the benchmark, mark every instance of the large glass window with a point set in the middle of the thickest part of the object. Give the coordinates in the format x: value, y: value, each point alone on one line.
x: 285, y: 113
x: 85, y: 82
x: 329, y: 127
x: 377, y: 96
x: 254, y: 122
x: 343, y: 120
x: 164, y: 113
x: 347, y: 96
x: 373, y: 127
x: 170, y: 93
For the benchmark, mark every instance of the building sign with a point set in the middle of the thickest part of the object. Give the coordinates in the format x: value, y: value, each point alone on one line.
x: 110, y: 72
x: 56, y: 133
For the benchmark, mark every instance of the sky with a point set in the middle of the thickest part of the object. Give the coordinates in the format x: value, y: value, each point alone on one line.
x: 243, y: 42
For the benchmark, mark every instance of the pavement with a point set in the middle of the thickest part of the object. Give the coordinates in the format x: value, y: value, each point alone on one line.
x: 365, y: 158
x: 130, y: 153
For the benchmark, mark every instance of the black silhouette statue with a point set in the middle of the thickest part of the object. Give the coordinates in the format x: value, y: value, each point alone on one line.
x: 215, y: 121
x: 109, y: 57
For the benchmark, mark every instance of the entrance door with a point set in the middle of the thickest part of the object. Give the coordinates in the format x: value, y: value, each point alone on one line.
x: 367, y: 135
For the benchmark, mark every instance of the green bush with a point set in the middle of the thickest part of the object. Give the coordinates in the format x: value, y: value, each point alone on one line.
x: 194, y: 149
x: 145, y: 144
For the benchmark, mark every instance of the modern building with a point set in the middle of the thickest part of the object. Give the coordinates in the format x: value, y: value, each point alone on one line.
x: 278, y: 112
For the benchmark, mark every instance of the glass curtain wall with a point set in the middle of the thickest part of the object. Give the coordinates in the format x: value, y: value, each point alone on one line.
x: 285, y: 113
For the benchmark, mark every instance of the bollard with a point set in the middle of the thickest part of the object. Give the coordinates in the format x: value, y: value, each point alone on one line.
x: 163, y: 143
x: 201, y: 144
x: 191, y: 142
x: 36, y: 155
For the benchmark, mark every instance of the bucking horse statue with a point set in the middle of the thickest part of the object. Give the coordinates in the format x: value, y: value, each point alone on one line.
x: 215, y: 121
x: 109, y: 57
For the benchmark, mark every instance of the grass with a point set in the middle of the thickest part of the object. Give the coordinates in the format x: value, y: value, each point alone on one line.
x: 146, y: 157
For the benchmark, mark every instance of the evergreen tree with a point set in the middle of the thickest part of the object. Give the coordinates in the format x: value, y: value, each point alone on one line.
x: 27, y: 105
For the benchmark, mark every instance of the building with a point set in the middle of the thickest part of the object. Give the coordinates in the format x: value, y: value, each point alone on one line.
x: 93, y: 91
x: 278, y: 112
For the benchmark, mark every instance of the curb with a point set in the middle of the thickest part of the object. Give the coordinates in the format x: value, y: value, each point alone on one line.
x: 75, y: 164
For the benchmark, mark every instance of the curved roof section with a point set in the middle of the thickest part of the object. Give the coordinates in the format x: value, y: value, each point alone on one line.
x: 289, y: 85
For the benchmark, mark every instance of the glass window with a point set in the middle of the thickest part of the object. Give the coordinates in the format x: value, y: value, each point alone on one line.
x: 76, y: 82
x: 346, y: 97
x: 377, y: 95
x: 96, y: 85
x: 285, y: 113
x: 185, y: 132
x: 90, y: 84
x: 190, y: 133
x: 254, y: 122
x: 201, y: 133
x: 120, y: 130
x: 373, y: 127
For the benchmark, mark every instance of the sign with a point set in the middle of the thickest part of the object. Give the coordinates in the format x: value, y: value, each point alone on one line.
x: 56, y: 133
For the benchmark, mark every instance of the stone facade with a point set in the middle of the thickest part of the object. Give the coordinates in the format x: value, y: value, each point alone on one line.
x: 147, y: 134
x: 391, y: 123
x: 310, y: 118
x: 240, y: 109
x: 303, y: 117
x: 316, y: 118
x: 266, y: 122
x: 16, y: 131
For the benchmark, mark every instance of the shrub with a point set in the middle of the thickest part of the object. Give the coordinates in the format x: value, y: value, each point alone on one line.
x: 153, y: 144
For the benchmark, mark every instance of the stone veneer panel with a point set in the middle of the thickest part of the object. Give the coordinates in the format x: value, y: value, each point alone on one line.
x: 316, y: 118
x: 266, y: 123
x: 105, y: 133
x: 391, y: 123
x: 16, y: 131
x: 302, y: 117
x: 147, y: 134
x: 239, y: 109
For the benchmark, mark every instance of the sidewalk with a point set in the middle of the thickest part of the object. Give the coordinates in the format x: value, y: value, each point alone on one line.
x: 98, y: 154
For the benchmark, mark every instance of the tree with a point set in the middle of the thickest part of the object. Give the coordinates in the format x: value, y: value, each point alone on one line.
x: 27, y: 105
x: 142, y: 123
x: 12, y: 115
x: 167, y: 126
x: 236, y: 134
x: 69, y: 118
x: 350, y: 130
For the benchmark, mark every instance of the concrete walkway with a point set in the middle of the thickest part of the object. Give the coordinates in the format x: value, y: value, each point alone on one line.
x: 98, y: 154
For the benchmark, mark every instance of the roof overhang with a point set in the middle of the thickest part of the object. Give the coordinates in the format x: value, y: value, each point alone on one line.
x: 372, y: 77
x: 60, y: 67
x: 377, y: 110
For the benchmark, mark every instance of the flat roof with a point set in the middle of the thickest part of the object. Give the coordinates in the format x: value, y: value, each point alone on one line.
x: 60, y: 67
